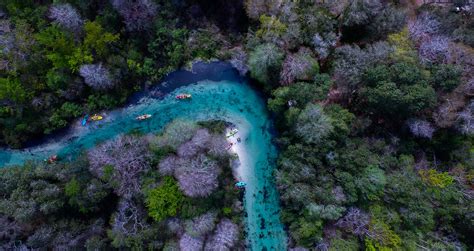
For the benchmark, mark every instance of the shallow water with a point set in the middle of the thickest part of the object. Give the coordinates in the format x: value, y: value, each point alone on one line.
x: 232, y: 101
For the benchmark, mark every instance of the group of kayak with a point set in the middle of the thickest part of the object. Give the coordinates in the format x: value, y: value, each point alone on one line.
x: 181, y: 96
x: 240, y: 184
x: 96, y: 117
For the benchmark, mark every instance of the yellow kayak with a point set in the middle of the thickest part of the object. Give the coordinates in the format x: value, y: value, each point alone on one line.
x: 96, y: 117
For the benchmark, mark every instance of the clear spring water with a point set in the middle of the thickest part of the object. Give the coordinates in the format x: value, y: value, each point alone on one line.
x: 232, y: 101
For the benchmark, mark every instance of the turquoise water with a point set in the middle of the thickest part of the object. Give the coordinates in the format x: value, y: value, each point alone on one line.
x: 225, y: 100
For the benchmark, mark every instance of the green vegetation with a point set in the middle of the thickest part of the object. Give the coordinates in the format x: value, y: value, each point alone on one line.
x: 372, y: 101
x: 165, y: 200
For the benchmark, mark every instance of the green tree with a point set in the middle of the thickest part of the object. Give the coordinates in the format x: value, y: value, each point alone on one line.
x: 298, y: 94
x: 97, y: 40
x: 446, y: 77
x: 165, y: 200
x: 270, y: 28
x: 12, y: 89
x: 61, y: 116
x: 57, y: 46
x: 371, y: 184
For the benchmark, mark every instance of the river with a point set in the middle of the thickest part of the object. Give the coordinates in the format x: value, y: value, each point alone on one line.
x: 217, y: 93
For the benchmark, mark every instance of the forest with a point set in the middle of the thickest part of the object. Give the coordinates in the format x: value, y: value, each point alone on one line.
x: 372, y: 102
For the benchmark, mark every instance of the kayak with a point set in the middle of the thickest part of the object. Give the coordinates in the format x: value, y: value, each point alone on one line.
x: 232, y: 132
x: 183, y: 96
x: 143, y: 117
x: 240, y: 184
x: 96, y: 117
x: 52, y: 159
x: 84, y: 120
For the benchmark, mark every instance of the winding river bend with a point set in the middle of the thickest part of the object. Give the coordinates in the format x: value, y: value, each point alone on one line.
x: 218, y: 93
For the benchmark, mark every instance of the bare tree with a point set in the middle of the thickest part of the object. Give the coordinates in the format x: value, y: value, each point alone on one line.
x: 201, y: 225
x: 421, y: 128
x: 169, y: 164
x: 323, y: 43
x: 66, y: 16
x: 225, y: 236
x: 96, y: 76
x: 175, y: 226
x: 424, y: 26
x: 355, y: 221
x: 298, y: 249
x: 322, y: 246
x: 469, y: 88
x: 129, y: 158
x: 137, y: 14
x: 434, y: 50
x: 195, y: 145
x: 189, y: 243
x: 313, y: 125
x: 217, y: 146
x: 198, y: 177
x: 9, y: 232
x: 129, y: 220
x: 239, y: 60
x: 299, y: 66
x: 176, y: 133
x: 467, y: 119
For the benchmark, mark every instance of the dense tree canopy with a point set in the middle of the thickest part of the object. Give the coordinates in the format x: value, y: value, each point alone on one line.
x: 371, y: 101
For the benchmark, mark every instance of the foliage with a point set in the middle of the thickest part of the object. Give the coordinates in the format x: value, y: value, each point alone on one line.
x: 270, y: 28
x: 97, y: 39
x: 446, y: 77
x: 299, y: 94
x: 436, y: 179
x: 164, y: 200
x: 12, y: 89
x: 404, y: 49
x: 400, y: 89
x: 61, y: 116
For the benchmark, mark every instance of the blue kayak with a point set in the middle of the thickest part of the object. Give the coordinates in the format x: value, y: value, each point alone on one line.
x: 240, y: 184
x: 84, y: 120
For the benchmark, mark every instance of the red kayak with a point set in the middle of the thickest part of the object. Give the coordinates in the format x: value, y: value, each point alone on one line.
x: 183, y: 96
